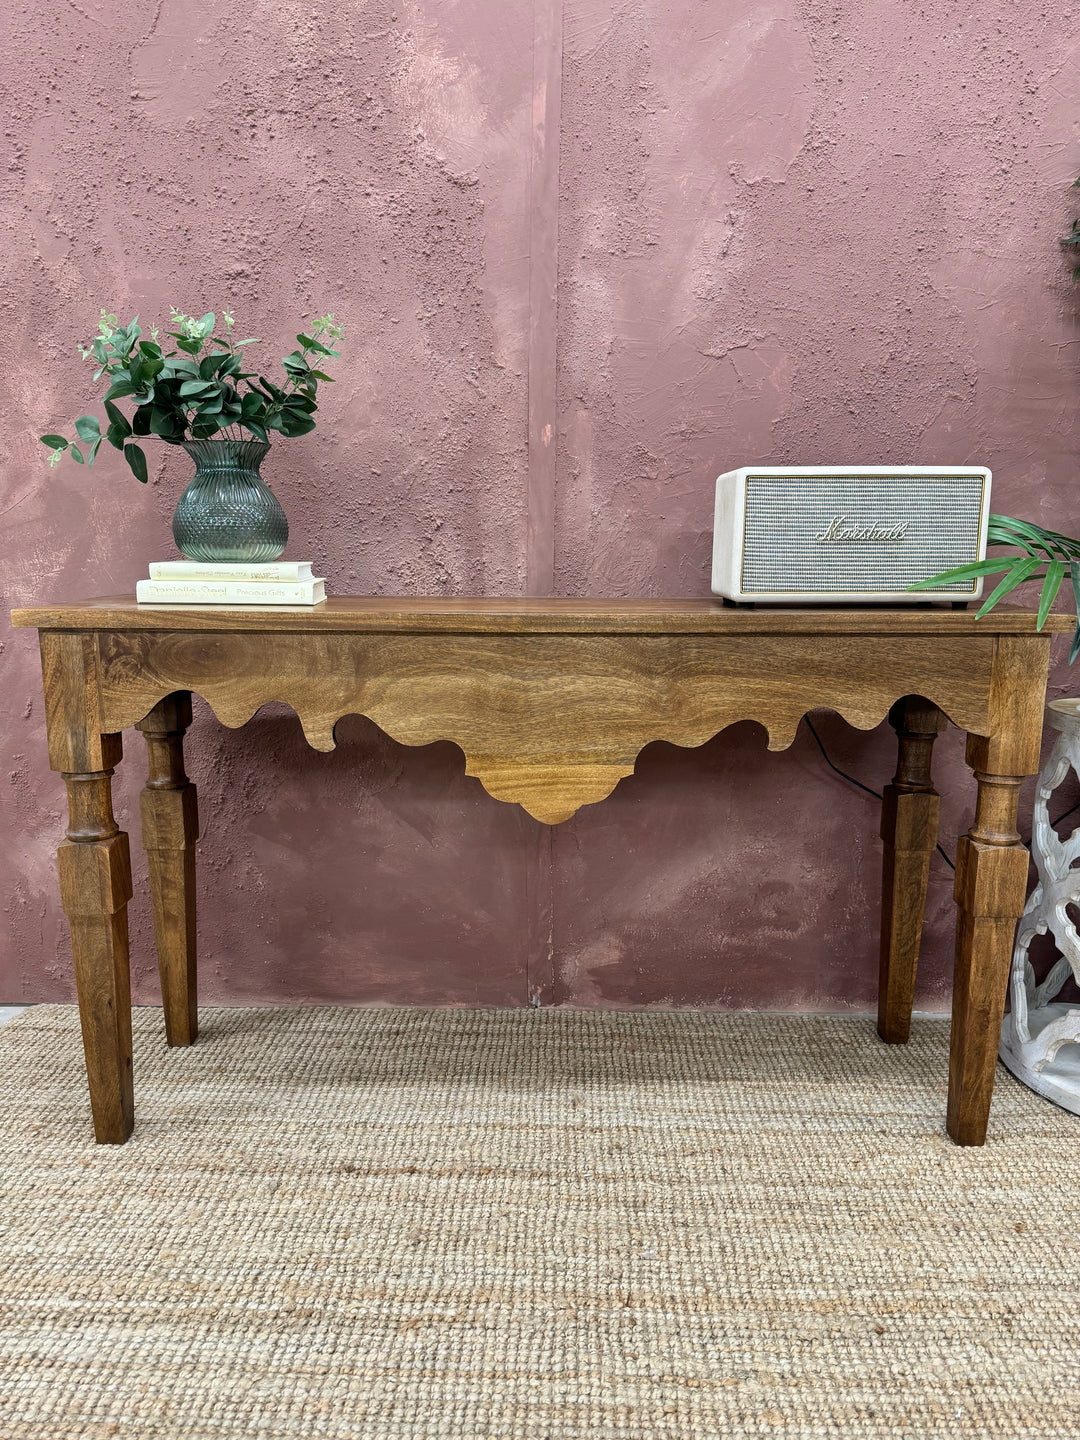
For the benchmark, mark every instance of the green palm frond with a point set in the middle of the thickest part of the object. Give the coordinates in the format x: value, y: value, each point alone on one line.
x: 1032, y: 547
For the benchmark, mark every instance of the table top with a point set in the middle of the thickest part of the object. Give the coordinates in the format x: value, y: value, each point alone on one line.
x: 494, y: 615
x: 533, y: 615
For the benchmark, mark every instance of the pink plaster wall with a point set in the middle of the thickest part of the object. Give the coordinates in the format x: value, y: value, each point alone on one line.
x: 776, y: 229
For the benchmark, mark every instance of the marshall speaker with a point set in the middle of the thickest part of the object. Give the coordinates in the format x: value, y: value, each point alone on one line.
x: 828, y: 533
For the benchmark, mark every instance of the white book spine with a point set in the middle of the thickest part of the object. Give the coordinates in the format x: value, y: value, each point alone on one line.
x: 291, y: 571
x: 228, y: 592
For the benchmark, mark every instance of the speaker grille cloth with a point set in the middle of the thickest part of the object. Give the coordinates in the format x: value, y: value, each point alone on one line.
x: 785, y: 513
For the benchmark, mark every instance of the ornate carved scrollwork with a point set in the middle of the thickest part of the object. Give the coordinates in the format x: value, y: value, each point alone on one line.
x: 551, y: 722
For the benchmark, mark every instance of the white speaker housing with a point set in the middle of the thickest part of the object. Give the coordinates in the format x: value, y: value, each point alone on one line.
x: 847, y: 533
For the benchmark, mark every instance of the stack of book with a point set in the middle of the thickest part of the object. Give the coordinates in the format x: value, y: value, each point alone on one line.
x: 189, y: 582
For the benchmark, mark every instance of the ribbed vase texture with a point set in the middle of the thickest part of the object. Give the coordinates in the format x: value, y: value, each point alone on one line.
x: 228, y: 512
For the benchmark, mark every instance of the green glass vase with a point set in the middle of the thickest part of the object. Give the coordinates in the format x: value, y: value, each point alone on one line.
x: 228, y: 512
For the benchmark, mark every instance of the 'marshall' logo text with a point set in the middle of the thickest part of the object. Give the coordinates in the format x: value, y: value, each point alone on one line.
x: 840, y: 528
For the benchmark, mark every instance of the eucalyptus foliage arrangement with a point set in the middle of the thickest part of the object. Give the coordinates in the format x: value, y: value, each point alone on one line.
x: 1036, y: 553
x: 199, y: 391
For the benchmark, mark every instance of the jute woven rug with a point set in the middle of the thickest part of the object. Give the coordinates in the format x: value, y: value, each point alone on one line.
x: 535, y: 1225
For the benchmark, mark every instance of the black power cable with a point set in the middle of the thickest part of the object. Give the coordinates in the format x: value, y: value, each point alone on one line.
x: 851, y: 780
x: 878, y: 795
x: 1063, y: 816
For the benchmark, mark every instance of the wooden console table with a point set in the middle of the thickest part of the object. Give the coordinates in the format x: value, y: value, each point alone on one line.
x: 551, y: 702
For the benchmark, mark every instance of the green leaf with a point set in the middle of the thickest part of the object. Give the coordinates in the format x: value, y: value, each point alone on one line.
x: 87, y: 428
x: 315, y: 345
x: 1055, y: 573
x: 117, y: 417
x: 121, y: 388
x: 1012, y: 542
x: 183, y: 365
x: 297, y: 425
x: 54, y: 442
x: 321, y: 375
x: 1074, y: 576
x: 1008, y: 531
x: 200, y: 388
x: 167, y: 393
x: 149, y: 348
x: 993, y: 566
x: 137, y: 460
x: 140, y: 421
x: 1022, y: 570
x: 1001, y: 534
x: 206, y: 324
x: 116, y: 435
x: 239, y: 344
x: 93, y: 450
x: 76, y: 453
x: 256, y: 430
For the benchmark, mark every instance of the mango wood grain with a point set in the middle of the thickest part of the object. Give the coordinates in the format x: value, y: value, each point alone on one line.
x: 94, y: 865
x: 551, y: 702
x: 991, y: 879
x: 524, y: 616
x: 170, y: 828
x: 909, y: 826
x: 551, y: 722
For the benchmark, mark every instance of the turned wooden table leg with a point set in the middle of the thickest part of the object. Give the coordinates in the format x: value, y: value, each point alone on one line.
x: 95, y: 886
x: 170, y: 827
x: 991, y: 886
x: 909, y: 827
x: 991, y: 878
x: 95, y: 873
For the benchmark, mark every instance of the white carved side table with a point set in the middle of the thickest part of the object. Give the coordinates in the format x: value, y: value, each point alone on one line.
x: 1040, y: 1038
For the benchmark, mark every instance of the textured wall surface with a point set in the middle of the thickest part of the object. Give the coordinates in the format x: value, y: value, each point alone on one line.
x: 589, y: 254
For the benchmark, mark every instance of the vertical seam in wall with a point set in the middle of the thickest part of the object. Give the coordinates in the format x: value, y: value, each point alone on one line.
x: 540, y: 978
x: 540, y: 975
x: 543, y: 289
